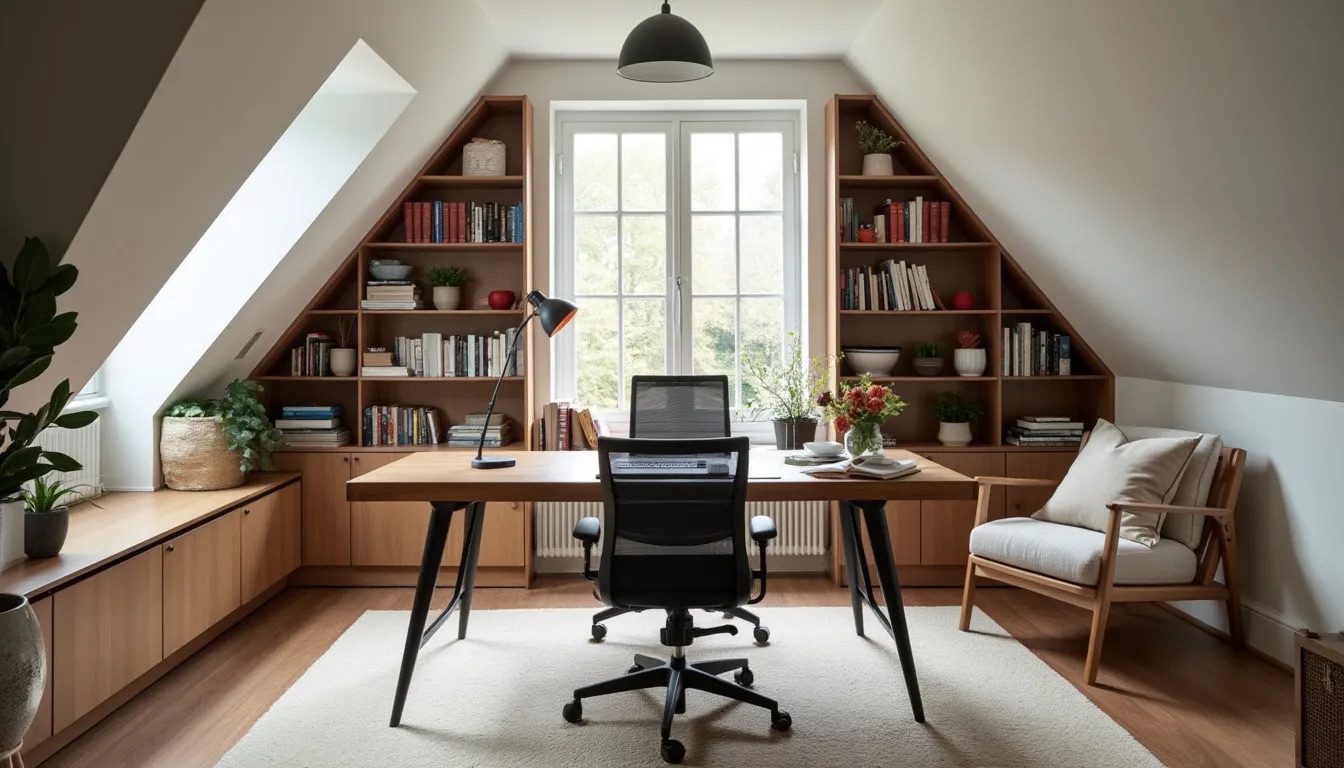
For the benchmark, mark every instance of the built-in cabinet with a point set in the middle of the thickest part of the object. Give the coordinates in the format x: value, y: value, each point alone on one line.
x: 270, y: 531
x: 201, y: 579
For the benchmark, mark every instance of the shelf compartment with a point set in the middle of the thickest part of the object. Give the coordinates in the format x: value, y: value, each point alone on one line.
x: 491, y: 182
x: 909, y: 180
x: 393, y: 245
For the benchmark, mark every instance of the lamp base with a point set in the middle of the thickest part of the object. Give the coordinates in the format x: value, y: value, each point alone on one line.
x: 492, y: 462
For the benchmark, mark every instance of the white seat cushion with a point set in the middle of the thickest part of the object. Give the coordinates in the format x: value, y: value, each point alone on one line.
x: 1193, y: 490
x: 1074, y: 554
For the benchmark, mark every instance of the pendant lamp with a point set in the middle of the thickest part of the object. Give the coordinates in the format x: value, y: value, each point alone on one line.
x: 665, y: 49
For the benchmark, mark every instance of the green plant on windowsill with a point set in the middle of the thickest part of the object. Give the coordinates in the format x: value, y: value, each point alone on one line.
x: 45, y: 496
x: 250, y: 434
x: 452, y: 277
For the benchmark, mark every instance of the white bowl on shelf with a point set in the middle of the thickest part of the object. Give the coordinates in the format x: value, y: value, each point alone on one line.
x: 878, y: 361
x: 389, y: 270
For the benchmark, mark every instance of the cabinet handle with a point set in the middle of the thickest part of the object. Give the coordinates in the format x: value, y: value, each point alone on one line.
x: 345, y: 459
x: 169, y: 548
x: 247, y: 511
x: 355, y: 459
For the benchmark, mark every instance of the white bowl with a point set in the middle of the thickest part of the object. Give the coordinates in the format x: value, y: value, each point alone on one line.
x: 390, y: 271
x: 878, y: 361
x: 824, y: 448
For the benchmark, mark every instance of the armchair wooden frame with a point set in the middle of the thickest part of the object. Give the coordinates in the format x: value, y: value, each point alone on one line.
x: 1218, y: 542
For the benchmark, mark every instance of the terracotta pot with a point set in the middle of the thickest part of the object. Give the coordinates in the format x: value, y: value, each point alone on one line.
x: 502, y: 299
x: 23, y: 669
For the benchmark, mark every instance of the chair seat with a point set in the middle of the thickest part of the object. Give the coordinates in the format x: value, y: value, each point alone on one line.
x: 1074, y: 554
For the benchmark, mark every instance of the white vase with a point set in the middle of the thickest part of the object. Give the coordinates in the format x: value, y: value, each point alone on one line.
x: 11, y: 532
x: 969, y: 362
x: 877, y: 164
x: 447, y: 297
x: 343, y: 361
x: 954, y: 433
x: 23, y: 668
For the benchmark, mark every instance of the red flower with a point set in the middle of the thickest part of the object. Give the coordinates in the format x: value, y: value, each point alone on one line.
x: 841, y: 424
x: 855, y: 395
x: 878, y: 391
x: 875, y: 404
x: 824, y: 399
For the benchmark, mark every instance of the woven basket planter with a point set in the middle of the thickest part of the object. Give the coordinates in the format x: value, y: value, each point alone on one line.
x: 195, y: 455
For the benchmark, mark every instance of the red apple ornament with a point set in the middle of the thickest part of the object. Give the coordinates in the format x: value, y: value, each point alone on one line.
x: 961, y: 300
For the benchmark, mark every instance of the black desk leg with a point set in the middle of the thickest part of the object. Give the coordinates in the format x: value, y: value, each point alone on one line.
x: 849, y: 544
x: 466, y: 572
x: 875, y: 519
x: 436, y: 537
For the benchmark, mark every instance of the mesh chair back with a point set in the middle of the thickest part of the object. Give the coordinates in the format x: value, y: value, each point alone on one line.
x: 674, y: 541
x: 679, y: 406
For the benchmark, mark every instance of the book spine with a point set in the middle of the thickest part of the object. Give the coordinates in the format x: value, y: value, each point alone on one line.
x: 944, y: 219
x: 1065, y: 356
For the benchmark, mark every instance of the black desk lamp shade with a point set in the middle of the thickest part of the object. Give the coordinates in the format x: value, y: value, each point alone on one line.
x: 554, y: 314
x: 665, y: 48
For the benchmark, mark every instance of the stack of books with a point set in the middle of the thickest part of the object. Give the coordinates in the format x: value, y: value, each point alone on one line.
x: 401, y: 425
x: 498, y: 433
x: 1046, y: 432
x: 441, y: 221
x: 313, y: 358
x: 436, y: 355
x: 565, y: 427
x: 889, y: 286
x: 312, y: 425
x: 1029, y: 351
x: 391, y: 294
x: 912, y: 221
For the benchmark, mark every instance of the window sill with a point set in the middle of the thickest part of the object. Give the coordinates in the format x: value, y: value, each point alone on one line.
x: 91, y: 403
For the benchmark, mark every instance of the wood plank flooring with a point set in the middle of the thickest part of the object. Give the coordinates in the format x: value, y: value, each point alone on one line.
x: 1184, y: 694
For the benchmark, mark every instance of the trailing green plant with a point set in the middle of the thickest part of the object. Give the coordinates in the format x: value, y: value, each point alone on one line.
x: 242, y: 417
x: 949, y: 407
x: 784, y: 387
x: 46, y: 496
x: 455, y: 277
x: 928, y: 349
x: 874, y: 140
x: 30, y: 331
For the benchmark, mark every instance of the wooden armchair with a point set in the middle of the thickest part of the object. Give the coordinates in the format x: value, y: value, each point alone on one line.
x: 1216, y: 541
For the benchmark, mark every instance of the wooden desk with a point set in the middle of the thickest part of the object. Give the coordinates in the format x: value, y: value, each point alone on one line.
x: 447, y: 482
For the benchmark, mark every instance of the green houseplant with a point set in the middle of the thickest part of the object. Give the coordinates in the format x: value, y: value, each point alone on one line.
x: 928, y: 358
x: 876, y: 145
x: 446, y: 285
x: 784, y: 387
x: 954, y: 418
x: 46, y: 520
x: 207, y: 444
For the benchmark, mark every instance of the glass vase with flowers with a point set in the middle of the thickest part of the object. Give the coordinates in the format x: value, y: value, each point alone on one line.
x: 858, y: 411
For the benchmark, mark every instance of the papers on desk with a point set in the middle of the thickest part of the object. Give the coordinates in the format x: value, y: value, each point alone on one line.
x: 870, y: 468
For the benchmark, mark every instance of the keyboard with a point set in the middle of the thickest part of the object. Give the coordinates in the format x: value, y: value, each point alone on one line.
x: 669, y: 466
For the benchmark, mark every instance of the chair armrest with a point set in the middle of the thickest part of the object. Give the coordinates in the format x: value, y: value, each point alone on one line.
x: 588, y: 530
x: 762, y: 531
x: 1030, y: 482
x: 1174, y: 509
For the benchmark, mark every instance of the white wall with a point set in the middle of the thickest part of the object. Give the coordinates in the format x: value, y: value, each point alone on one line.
x: 1291, y: 515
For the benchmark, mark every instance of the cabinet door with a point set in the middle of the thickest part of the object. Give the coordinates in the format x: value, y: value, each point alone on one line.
x: 504, y: 540
x: 1053, y: 466
x: 107, y: 630
x: 386, y: 532
x: 326, y: 513
x: 270, y: 540
x: 200, y: 580
x: 40, y: 730
x: 945, y: 527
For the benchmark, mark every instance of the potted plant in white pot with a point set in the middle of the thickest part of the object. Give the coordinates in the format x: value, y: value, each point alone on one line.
x: 876, y: 146
x: 446, y: 286
x: 205, y: 445
x: 46, y: 519
x: 969, y: 358
x: 954, y: 418
x: 342, y: 356
x: 784, y: 386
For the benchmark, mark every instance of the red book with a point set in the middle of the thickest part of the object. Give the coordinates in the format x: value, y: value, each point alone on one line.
x: 407, y: 222
x: 900, y: 222
x: 449, y: 223
x: 424, y: 222
x: 926, y: 238
x: 944, y: 217
x: 461, y: 222
x: 933, y: 222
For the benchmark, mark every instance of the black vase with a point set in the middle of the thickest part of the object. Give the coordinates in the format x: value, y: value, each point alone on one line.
x: 44, y: 532
x: 790, y: 434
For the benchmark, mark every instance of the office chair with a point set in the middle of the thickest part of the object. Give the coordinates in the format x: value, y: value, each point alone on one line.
x: 675, y: 543
x: 680, y: 407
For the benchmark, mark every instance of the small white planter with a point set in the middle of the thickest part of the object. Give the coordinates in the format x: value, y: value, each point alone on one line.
x: 878, y: 164
x: 969, y: 362
x: 11, y: 532
x: 447, y: 297
x: 343, y: 361
x: 954, y: 433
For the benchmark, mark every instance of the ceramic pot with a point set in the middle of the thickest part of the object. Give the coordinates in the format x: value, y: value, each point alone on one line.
x: 343, y: 361
x: 954, y: 433
x: 928, y: 366
x: 44, y: 532
x: 863, y: 440
x: 969, y: 362
x: 11, y: 532
x: 790, y: 434
x: 502, y: 299
x: 23, y: 669
x: 447, y: 297
x: 878, y: 164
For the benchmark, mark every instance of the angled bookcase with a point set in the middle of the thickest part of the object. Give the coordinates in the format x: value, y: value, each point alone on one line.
x: 931, y: 536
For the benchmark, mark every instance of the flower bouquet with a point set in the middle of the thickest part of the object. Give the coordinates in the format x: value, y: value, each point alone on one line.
x: 858, y: 411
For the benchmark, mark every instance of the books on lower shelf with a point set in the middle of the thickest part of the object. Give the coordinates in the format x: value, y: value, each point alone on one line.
x: 1046, y: 432
x: 909, y: 221
x: 312, y: 425
x: 565, y: 427
x: 401, y: 425
x: 313, y: 358
x: 1029, y: 351
x: 391, y: 294
x: 889, y: 286
x: 498, y: 434
x: 444, y: 221
x: 435, y: 355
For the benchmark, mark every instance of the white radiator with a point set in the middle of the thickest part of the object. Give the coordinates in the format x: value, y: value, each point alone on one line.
x: 82, y: 446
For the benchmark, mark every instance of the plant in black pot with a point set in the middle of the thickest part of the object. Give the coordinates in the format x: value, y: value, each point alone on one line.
x: 47, y: 519
x: 783, y: 385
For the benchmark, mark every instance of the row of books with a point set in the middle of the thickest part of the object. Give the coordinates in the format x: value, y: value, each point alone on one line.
x: 442, y: 221
x: 401, y: 425
x: 312, y: 425
x: 435, y: 355
x: 313, y: 358
x: 391, y: 294
x: 1046, y: 432
x: 498, y: 432
x: 890, y: 285
x: 565, y: 427
x: 912, y: 221
x: 1029, y: 351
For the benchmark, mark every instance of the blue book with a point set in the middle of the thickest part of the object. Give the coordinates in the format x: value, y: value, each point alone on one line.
x: 438, y: 221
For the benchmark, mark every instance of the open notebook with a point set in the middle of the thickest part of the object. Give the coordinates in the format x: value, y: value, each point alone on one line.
x: 875, y: 468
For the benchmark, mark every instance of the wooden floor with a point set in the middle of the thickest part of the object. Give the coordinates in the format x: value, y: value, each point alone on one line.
x: 1184, y: 694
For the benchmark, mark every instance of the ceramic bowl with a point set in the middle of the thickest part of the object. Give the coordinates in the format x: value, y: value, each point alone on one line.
x: 879, y: 361
x: 390, y: 270
x: 824, y: 448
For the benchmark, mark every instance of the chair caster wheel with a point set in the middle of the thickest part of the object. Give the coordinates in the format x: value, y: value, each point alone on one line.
x: 762, y: 635
x: 673, y: 751
x: 744, y: 677
x: 781, y: 721
x: 573, y: 711
x: 599, y: 632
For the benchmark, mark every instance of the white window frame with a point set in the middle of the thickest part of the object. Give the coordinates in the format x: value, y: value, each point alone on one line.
x: 678, y: 127
x: 93, y: 397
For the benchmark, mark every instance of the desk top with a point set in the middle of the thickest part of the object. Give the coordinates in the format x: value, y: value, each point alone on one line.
x: 572, y: 476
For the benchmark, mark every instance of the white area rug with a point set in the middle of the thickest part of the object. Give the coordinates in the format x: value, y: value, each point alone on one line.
x: 494, y: 699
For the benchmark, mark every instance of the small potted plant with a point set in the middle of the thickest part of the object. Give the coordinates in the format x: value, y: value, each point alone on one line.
x: 858, y: 412
x: 205, y: 445
x: 46, y: 520
x: 447, y: 285
x: 954, y: 418
x: 928, y: 358
x: 968, y: 358
x: 343, y: 354
x: 876, y: 146
x: 786, y: 389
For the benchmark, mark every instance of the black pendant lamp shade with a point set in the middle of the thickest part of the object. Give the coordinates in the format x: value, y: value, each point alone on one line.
x: 665, y: 49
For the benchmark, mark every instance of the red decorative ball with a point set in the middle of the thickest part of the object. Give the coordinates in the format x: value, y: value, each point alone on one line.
x: 502, y: 299
x: 961, y: 300
x: 867, y: 235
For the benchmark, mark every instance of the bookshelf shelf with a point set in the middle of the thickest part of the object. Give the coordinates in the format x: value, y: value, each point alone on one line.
x: 483, y: 182
x: 920, y: 379
x: 1061, y: 379
x: 857, y: 180
x: 918, y: 312
x: 307, y: 378
x: 397, y: 246
x: 1028, y: 311
x: 333, y: 312
x: 849, y: 246
x: 443, y: 312
x: 442, y: 379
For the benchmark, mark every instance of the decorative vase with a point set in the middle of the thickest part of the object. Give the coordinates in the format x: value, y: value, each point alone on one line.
x: 44, y: 532
x: 790, y: 434
x: 866, y: 234
x: 502, y: 299
x: 483, y: 157
x: 447, y: 297
x: 11, y: 532
x: 878, y: 164
x: 23, y: 669
x: 863, y: 440
x: 969, y: 362
x: 343, y: 361
x: 928, y: 366
x: 954, y: 432
x: 195, y: 455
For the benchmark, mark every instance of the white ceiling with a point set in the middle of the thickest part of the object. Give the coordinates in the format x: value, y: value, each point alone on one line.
x: 733, y: 28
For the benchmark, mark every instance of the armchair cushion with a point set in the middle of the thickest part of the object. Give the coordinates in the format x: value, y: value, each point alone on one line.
x: 1112, y: 468
x: 1193, y: 490
x: 1074, y: 554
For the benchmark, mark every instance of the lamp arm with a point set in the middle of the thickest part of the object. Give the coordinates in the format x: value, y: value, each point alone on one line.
x: 508, y: 358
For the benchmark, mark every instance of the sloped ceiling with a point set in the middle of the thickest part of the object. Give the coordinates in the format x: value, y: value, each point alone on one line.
x: 1170, y: 173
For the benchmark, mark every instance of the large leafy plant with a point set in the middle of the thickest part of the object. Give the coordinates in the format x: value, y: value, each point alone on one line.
x: 30, y: 331
x: 250, y: 434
